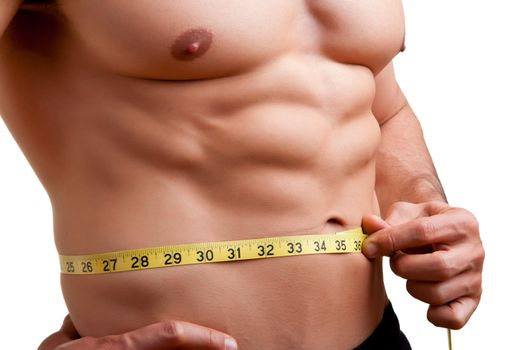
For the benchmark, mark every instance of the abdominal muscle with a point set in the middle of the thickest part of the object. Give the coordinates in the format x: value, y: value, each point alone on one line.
x: 252, y: 169
x: 307, y: 302
x: 285, y: 148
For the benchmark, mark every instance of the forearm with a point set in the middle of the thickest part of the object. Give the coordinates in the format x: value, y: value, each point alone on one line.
x: 405, y: 171
x: 429, y: 232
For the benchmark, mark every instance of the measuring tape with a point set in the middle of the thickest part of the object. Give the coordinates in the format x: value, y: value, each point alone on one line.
x: 349, y: 241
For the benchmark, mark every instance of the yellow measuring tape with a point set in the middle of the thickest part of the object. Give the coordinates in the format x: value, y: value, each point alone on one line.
x: 349, y: 241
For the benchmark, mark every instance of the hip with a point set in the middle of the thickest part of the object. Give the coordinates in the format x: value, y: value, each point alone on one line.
x: 303, y: 302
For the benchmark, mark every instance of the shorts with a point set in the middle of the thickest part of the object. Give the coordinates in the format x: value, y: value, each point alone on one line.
x: 387, y: 335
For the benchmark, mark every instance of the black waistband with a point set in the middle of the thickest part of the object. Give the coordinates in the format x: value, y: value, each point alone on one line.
x: 387, y: 335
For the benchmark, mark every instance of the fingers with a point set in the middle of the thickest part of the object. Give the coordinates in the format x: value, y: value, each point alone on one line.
x: 415, y: 233
x: 168, y: 335
x: 401, y: 212
x: 439, y: 265
x: 442, y: 293
x: 453, y: 315
x: 449, y: 280
x: 437, y: 248
x: 178, y: 334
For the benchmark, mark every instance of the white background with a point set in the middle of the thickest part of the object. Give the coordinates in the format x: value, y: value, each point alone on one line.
x: 465, y: 76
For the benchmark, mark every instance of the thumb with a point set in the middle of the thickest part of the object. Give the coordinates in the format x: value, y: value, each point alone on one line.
x: 373, y: 223
x: 66, y: 334
x: 68, y: 328
x: 370, y: 225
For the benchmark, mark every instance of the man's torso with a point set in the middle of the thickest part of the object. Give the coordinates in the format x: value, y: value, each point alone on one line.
x: 267, y: 132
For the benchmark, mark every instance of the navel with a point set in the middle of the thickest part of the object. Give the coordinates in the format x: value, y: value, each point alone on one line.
x: 191, y: 44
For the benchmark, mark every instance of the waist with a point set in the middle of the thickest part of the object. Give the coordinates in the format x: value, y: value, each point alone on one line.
x: 98, y: 221
x: 259, y: 302
x: 303, y: 302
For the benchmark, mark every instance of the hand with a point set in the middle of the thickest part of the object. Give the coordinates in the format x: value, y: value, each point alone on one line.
x: 170, y: 335
x: 437, y: 248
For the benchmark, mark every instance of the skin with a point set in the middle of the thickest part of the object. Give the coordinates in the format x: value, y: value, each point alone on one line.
x: 137, y: 148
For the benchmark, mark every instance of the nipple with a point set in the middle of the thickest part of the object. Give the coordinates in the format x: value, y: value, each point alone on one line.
x: 403, y: 45
x: 192, y: 48
x: 191, y: 44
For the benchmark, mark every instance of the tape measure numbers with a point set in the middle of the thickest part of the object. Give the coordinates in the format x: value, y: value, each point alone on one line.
x: 349, y: 241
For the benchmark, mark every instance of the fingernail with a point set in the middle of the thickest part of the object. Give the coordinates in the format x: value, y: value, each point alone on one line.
x: 371, y: 249
x: 230, y: 344
x: 377, y: 217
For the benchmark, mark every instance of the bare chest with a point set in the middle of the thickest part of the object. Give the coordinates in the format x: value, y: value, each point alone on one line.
x: 189, y: 39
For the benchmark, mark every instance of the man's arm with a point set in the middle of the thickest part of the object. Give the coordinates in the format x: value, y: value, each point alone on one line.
x: 405, y: 171
x: 8, y: 8
x: 434, y: 246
